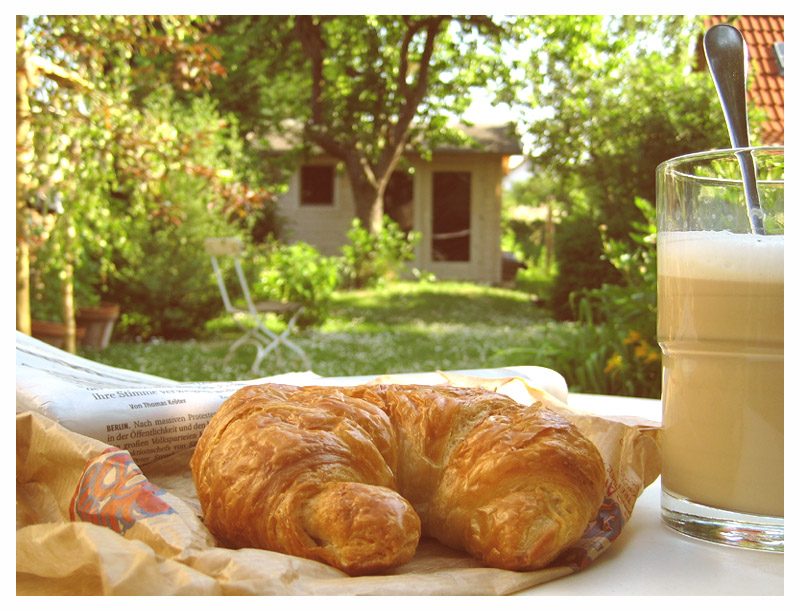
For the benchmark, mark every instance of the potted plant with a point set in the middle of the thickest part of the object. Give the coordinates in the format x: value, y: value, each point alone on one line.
x: 46, y: 309
x: 98, y: 321
x: 66, y: 310
x: 94, y: 319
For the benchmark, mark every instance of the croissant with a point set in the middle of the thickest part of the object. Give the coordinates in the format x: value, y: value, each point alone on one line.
x: 354, y: 476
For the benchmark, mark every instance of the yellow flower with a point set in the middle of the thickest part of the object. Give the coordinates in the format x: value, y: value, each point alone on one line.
x: 642, y: 350
x: 615, y: 362
x: 652, y: 356
x: 633, y: 337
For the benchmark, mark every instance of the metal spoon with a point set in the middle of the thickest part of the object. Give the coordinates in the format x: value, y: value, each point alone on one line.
x: 725, y: 49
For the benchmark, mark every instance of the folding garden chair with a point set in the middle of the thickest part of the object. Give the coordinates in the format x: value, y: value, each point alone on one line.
x: 250, y: 317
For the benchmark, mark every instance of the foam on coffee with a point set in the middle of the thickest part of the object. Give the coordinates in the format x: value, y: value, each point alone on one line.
x: 721, y: 255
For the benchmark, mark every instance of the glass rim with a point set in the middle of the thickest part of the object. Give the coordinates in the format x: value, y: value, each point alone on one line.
x: 717, y: 154
x: 676, y: 166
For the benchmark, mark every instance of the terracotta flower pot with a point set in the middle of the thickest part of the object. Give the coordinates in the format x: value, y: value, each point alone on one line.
x: 53, y: 332
x: 99, y: 323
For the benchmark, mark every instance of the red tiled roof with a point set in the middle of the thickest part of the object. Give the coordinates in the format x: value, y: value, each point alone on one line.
x: 761, y: 32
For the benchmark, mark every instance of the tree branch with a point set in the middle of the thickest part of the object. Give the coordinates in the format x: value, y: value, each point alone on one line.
x: 414, y: 27
x: 63, y: 77
x: 309, y: 34
x: 412, y: 95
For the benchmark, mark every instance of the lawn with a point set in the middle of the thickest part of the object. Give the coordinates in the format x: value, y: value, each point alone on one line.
x: 404, y: 327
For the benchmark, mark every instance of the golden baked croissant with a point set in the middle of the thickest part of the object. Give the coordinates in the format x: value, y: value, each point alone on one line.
x: 353, y: 476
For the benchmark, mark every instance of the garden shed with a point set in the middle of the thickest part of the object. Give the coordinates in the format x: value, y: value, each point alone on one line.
x: 452, y: 199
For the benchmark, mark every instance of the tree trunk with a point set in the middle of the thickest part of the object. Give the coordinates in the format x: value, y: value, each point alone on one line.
x: 24, y: 160
x: 368, y: 190
x: 375, y: 223
x: 68, y: 287
x: 23, y: 285
x: 549, y: 236
x: 369, y: 205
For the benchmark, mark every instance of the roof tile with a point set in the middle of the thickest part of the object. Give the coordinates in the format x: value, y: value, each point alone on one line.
x: 766, y: 88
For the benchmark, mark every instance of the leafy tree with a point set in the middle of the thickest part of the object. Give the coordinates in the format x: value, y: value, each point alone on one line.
x: 94, y: 153
x: 161, y: 279
x: 623, y: 98
x: 533, y: 240
x: 364, y: 87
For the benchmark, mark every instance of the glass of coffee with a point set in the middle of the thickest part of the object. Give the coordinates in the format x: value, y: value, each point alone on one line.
x: 720, y: 328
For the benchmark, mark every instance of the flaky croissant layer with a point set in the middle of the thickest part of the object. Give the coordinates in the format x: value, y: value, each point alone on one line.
x: 353, y: 476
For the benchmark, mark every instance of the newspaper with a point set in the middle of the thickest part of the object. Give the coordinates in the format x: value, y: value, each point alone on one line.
x: 153, y: 417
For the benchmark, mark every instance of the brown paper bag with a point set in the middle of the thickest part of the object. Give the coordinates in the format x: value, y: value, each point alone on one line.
x: 90, y: 521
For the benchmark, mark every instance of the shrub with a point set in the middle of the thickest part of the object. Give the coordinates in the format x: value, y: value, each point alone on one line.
x: 537, y: 281
x: 165, y: 286
x: 611, y: 347
x: 580, y: 262
x: 371, y: 259
x: 161, y: 274
x: 299, y: 273
x: 629, y: 309
x: 524, y: 238
x: 598, y: 359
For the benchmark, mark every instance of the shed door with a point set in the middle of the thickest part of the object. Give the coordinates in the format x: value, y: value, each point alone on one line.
x: 451, y: 216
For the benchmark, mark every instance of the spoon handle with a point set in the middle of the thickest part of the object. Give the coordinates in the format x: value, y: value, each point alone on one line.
x: 725, y: 51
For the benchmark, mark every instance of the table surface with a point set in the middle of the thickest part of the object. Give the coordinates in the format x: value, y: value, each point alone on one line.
x: 648, y: 558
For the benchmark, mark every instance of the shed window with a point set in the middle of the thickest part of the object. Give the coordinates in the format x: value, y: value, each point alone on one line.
x: 316, y: 185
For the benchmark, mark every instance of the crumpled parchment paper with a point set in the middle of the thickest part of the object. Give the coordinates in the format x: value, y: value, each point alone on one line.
x: 91, y: 521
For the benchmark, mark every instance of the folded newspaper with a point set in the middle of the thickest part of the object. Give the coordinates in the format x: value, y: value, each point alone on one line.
x: 153, y: 417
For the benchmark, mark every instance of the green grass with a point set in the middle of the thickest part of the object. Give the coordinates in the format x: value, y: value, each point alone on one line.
x: 415, y: 326
x: 404, y: 327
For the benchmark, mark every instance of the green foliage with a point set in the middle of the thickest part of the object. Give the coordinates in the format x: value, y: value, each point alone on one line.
x: 143, y: 174
x: 123, y: 157
x: 594, y: 359
x: 611, y: 348
x: 526, y: 235
x: 627, y: 311
x: 361, y: 88
x: 637, y: 106
x: 375, y: 71
x: 45, y: 299
x: 72, y: 181
x: 298, y: 273
x: 163, y: 278
x: 165, y: 288
x: 369, y: 260
x: 580, y: 263
x: 537, y: 280
x: 521, y: 238
x: 632, y: 104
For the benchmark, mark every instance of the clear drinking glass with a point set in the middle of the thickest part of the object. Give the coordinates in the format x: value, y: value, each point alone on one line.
x: 720, y: 328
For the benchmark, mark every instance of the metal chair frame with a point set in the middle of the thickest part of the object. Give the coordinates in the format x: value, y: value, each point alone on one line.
x: 256, y: 333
